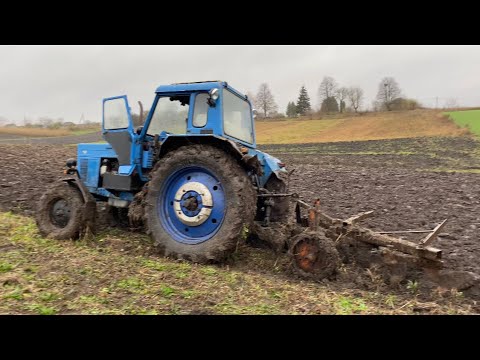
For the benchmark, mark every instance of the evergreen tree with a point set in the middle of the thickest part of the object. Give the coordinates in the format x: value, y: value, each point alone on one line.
x: 291, y: 109
x: 329, y: 105
x: 303, y: 102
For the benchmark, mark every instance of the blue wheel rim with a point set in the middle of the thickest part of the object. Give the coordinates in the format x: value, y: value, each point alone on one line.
x: 166, y: 213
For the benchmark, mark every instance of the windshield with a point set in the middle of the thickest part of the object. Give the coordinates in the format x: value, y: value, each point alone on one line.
x: 170, y: 115
x: 237, y: 117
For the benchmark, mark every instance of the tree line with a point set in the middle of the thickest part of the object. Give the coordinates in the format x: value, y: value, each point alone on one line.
x: 334, y: 99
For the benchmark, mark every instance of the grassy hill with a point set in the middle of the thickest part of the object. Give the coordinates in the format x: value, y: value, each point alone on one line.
x: 469, y: 119
x: 375, y: 126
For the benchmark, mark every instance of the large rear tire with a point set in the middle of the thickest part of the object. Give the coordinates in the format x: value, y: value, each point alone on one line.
x: 199, y: 202
x: 61, y: 213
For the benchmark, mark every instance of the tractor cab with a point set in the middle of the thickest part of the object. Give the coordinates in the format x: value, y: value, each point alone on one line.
x: 194, y: 111
x: 185, y: 109
x: 211, y: 113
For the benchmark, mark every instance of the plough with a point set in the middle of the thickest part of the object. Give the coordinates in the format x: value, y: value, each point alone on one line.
x: 318, y: 243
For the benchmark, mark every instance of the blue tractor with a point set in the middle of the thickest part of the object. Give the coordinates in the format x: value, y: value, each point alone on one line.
x: 191, y: 174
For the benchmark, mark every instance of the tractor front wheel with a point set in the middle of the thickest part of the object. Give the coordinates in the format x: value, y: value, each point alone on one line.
x: 199, y: 201
x: 61, y: 212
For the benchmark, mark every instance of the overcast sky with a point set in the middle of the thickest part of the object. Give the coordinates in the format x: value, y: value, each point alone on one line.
x: 66, y: 81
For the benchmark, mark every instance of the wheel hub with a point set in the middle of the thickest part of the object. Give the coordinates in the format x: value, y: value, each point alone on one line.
x: 193, y: 203
x: 60, y: 213
x: 307, y: 256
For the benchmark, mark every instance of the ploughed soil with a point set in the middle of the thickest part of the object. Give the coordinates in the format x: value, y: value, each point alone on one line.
x: 410, y: 184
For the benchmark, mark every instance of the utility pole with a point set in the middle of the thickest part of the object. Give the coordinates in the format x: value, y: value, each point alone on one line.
x: 387, y: 100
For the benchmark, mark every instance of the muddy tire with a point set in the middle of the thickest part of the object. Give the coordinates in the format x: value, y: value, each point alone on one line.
x: 60, y: 212
x: 314, y: 256
x: 198, y: 203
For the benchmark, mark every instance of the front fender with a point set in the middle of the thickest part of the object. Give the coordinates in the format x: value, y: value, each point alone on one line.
x: 86, y: 195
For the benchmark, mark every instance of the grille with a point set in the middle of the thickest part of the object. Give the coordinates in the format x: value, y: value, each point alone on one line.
x: 83, y: 168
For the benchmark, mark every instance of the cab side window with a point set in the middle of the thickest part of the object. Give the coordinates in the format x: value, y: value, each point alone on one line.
x: 200, y: 110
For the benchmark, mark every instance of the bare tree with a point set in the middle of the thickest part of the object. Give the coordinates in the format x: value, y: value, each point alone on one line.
x: 342, y: 94
x: 45, y: 121
x: 451, y: 103
x: 388, y: 90
x: 355, y: 97
x: 264, y: 100
x: 327, y: 88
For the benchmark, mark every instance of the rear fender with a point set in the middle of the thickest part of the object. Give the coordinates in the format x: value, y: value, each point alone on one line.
x: 172, y: 142
x: 263, y: 164
x: 270, y: 166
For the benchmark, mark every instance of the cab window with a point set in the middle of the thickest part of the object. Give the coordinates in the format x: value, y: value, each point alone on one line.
x: 237, y: 117
x: 170, y: 115
x: 200, y: 110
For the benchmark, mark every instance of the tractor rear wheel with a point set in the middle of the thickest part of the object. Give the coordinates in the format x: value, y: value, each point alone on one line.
x: 199, y: 201
x: 61, y: 213
x: 313, y: 255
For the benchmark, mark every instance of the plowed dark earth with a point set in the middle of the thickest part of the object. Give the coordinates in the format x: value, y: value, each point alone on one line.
x: 410, y: 184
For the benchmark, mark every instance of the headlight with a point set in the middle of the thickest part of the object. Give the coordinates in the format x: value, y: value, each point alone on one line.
x: 214, y: 94
x: 71, y: 163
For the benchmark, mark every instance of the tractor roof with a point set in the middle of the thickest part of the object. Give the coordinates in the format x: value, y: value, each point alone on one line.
x: 192, y: 86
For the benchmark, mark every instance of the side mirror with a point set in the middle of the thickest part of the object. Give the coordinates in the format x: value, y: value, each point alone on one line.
x: 255, y: 113
x: 139, y: 130
x: 214, y: 94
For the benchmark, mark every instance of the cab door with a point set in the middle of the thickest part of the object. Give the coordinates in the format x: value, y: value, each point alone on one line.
x: 117, y: 129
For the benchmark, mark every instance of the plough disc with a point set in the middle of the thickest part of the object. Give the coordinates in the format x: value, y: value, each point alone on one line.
x: 313, y: 255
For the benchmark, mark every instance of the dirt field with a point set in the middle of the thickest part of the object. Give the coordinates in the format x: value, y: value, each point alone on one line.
x: 400, y: 186
x: 409, y: 183
x: 399, y: 179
